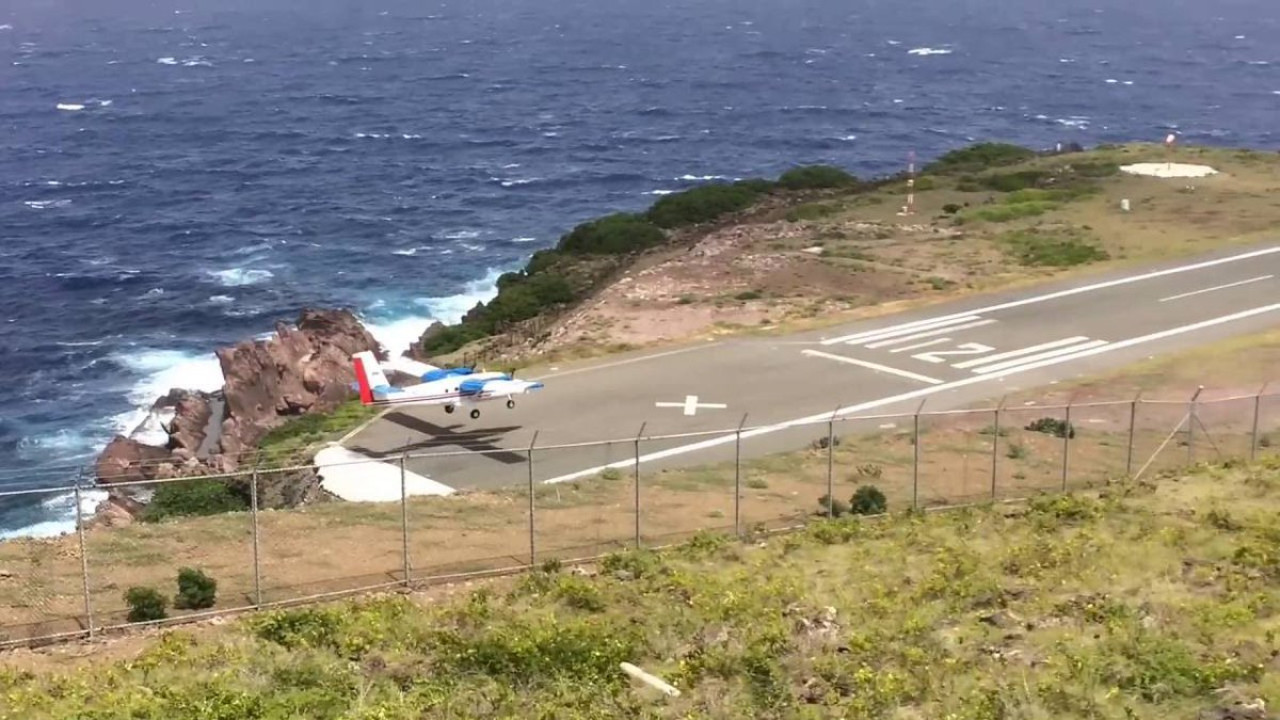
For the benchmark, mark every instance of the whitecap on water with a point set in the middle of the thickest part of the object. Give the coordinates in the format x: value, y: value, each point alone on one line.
x: 235, y: 277
x: 396, y: 334
x: 928, y: 51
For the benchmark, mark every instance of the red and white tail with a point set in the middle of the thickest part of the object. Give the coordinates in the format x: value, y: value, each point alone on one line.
x: 369, y: 376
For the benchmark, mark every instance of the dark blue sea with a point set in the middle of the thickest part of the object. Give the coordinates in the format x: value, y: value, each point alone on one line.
x: 179, y: 174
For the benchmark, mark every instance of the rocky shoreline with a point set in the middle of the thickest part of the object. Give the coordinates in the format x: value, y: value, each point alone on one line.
x: 302, y: 369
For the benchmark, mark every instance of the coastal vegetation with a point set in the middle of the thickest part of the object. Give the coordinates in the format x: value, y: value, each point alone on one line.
x: 1142, y: 599
x: 820, y: 245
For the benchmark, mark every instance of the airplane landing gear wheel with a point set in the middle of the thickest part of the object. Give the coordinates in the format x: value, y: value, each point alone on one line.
x: 475, y: 414
x: 511, y: 404
x: 448, y: 409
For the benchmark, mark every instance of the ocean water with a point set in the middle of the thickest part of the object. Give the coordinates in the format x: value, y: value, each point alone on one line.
x: 179, y: 174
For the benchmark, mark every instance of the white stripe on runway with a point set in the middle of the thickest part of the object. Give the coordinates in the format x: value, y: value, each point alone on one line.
x: 996, y: 367
x: 873, y: 366
x: 730, y: 437
x: 968, y: 314
x: 1216, y: 287
x: 917, y: 346
x: 1019, y: 353
x: 896, y: 330
x: 930, y: 333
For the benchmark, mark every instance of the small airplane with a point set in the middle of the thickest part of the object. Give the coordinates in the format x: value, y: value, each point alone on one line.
x: 448, y: 387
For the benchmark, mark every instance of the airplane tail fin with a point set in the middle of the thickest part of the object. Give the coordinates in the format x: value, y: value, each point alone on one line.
x: 369, y: 376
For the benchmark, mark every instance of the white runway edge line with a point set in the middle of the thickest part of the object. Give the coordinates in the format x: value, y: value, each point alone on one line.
x: 922, y: 392
x: 972, y: 314
x: 873, y: 366
x: 1216, y: 287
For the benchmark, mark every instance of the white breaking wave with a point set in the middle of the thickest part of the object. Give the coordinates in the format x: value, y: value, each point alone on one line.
x: 928, y: 51
x: 396, y: 335
x: 167, y: 61
x: 45, y: 204
x: 162, y: 371
x: 235, y: 277
x: 70, y: 107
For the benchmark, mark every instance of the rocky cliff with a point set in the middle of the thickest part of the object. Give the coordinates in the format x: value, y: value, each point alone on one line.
x: 304, y: 368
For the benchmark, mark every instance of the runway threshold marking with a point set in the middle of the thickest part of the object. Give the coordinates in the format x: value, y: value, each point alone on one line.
x: 972, y: 314
x: 1216, y: 287
x: 873, y: 366
x: 922, y: 392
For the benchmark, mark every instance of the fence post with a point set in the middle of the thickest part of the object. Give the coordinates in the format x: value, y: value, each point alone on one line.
x: 737, y: 479
x: 1191, y: 425
x: 84, y: 555
x: 404, y: 518
x: 915, y: 461
x: 1133, y: 424
x: 257, y: 557
x: 533, y: 554
x: 638, y: 436
x: 831, y: 457
x: 1067, y: 432
x: 995, y: 444
x: 1257, y: 411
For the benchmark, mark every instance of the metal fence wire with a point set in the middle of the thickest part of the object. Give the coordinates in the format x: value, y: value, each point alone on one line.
x: 753, y: 479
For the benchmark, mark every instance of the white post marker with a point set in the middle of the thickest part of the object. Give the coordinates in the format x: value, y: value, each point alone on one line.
x: 649, y: 680
x: 691, y: 405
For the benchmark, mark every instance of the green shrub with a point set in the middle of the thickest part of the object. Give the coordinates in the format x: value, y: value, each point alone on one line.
x: 1048, y: 248
x: 816, y: 177
x: 701, y: 204
x: 868, y: 500
x: 951, y: 208
x: 981, y: 156
x: 145, y: 604
x: 836, y: 510
x: 193, y: 498
x: 615, y: 234
x: 1052, y: 426
x: 196, y: 590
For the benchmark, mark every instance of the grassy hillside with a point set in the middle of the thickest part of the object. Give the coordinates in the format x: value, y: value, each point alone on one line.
x: 1147, y: 600
x: 818, y: 247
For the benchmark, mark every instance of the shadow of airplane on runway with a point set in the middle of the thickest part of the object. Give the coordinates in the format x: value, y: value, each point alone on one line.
x: 479, y: 441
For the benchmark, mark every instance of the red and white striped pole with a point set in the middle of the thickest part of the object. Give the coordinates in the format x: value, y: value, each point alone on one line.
x: 910, y: 209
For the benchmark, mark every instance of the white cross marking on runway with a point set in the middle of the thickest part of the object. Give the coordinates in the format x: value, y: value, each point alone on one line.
x: 690, y: 405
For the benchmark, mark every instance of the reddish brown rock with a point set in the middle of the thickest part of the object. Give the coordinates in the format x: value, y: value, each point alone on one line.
x: 190, y: 421
x: 125, y: 460
x: 302, y: 369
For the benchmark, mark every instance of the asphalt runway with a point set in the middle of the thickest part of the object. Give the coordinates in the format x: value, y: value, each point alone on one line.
x: 947, y: 355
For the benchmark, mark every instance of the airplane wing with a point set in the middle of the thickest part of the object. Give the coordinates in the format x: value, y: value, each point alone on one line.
x: 498, y: 386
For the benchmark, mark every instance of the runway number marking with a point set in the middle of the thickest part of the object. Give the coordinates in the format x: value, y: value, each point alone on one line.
x: 936, y: 356
x: 691, y: 405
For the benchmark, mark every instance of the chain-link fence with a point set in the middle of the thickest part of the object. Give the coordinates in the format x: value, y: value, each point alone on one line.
x: 269, y: 537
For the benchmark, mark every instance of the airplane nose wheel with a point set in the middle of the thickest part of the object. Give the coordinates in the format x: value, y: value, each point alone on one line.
x: 448, y: 409
x: 475, y: 414
x: 511, y: 404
